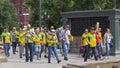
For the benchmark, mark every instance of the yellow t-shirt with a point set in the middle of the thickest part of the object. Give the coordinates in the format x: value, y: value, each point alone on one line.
x: 37, y: 39
x: 52, y: 40
x: 43, y: 38
x: 21, y: 39
x: 85, y: 39
x: 6, y: 38
x: 28, y: 37
x: 92, y: 40
x: 16, y: 34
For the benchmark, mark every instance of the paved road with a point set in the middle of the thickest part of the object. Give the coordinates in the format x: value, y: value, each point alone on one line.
x: 15, y: 62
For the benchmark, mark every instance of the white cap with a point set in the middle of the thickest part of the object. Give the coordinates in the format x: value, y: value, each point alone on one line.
x: 86, y: 30
x: 53, y: 30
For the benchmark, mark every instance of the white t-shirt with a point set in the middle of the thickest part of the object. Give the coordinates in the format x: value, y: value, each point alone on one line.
x: 108, y: 37
x: 67, y: 34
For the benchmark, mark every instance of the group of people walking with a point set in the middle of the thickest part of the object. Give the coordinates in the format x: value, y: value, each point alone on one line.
x: 35, y: 41
x: 93, y: 43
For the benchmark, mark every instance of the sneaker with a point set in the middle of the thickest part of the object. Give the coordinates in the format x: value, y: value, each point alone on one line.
x: 14, y: 53
x: 26, y: 60
x: 31, y: 60
x: 66, y: 58
x: 59, y: 61
x: 45, y: 56
x: 49, y: 62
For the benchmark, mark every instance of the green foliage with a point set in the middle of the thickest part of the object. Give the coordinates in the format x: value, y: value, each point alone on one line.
x: 8, y: 16
x: 55, y: 7
x: 52, y: 7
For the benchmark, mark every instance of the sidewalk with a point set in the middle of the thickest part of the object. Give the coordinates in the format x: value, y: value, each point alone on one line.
x: 2, y: 57
x: 105, y: 63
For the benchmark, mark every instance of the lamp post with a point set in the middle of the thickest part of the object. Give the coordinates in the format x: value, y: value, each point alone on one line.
x: 40, y: 22
x: 114, y: 4
x: 45, y: 17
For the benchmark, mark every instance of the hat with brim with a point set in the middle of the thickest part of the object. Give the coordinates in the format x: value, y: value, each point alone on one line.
x: 14, y: 27
x: 52, y: 27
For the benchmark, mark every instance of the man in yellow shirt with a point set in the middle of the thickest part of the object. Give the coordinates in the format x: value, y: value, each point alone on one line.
x: 38, y: 42
x: 43, y: 47
x: 85, y: 42
x: 52, y: 42
x: 92, y: 43
x: 21, y: 42
x: 29, y: 44
x: 6, y: 40
x: 15, y: 36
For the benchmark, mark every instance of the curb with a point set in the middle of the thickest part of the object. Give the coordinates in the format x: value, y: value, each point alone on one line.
x: 3, y: 59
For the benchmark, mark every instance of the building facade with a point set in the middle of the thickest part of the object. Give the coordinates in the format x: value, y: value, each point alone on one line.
x: 80, y: 20
x: 22, y: 14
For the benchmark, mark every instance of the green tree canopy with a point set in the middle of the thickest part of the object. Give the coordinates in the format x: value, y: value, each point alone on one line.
x: 8, y: 15
x: 55, y: 7
x: 52, y: 7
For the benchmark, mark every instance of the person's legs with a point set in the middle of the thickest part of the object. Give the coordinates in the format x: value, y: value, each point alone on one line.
x: 83, y: 54
x: 42, y: 50
x: 99, y: 50
x: 65, y: 52
x: 101, y: 47
x: 5, y: 49
x: 35, y: 50
x: 68, y: 47
x: 56, y: 54
x: 31, y: 52
x: 14, y: 47
x: 60, y: 47
x: 107, y: 49
x: 94, y: 53
x: 86, y: 53
x: 49, y: 54
x: 26, y: 52
x: 20, y: 51
x: 46, y: 51
x: 38, y: 50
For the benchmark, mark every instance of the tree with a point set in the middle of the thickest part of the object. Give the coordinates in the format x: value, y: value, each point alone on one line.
x: 55, y: 7
x: 8, y: 16
x: 52, y: 7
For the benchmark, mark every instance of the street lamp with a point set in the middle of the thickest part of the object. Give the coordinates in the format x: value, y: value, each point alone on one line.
x: 40, y: 23
x: 114, y: 4
x: 45, y: 17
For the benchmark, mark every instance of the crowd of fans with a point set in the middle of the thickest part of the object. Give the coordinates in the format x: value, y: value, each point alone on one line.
x: 34, y: 42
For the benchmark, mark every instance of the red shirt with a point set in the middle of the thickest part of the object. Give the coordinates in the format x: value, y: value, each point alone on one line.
x: 97, y: 37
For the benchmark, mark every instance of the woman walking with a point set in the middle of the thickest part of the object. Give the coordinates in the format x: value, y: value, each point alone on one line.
x: 107, y: 41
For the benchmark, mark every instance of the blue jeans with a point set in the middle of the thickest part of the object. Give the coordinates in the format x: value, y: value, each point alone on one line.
x: 99, y: 50
x: 29, y: 49
x: 6, y: 49
x: 60, y: 47
x: 37, y: 50
x: 50, y: 49
x: 86, y: 54
x: 108, y: 49
x: 14, y: 45
x: 94, y: 53
x: 21, y: 50
x: 66, y: 50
